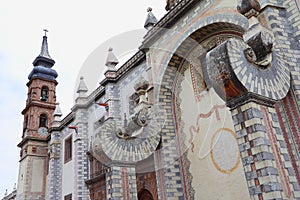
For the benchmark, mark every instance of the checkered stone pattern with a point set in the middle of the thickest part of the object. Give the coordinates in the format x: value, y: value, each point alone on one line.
x: 131, y: 150
x: 54, y: 174
x: 288, y: 116
x: 273, y: 83
x: 292, y: 186
x: 293, y: 35
x: 112, y: 96
x: 81, y: 167
x: 286, y: 27
x: 182, y: 33
x: 131, y: 191
x: 293, y: 16
x: 263, y: 152
x: 170, y: 180
x: 121, y: 183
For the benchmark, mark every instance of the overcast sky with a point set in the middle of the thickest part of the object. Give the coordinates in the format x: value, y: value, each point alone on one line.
x: 77, y: 30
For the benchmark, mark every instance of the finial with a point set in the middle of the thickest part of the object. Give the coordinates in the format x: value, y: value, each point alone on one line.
x: 150, y: 20
x: 111, y: 60
x: 57, y: 111
x: 82, y: 88
x: 44, y: 58
x: 45, y: 30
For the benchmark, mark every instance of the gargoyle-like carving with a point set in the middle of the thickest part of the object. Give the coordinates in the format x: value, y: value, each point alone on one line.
x: 135, y: 126
x: 250, y: 55
x: 258, y: 37
x: 261, y: 41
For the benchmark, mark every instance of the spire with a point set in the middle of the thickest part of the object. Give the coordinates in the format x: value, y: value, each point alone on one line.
x: 57, y: 111
x: 43, y: 63
x: 82, y: 88
x: 111, y: 60
x: 150, y: 20
x: 57, y: 114
x: 44, y: 58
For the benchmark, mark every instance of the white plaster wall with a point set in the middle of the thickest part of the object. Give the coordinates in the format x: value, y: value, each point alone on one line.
x: 37, y: 179
x: 67, y: 178
x: 212, y: 147
x: 22, y: 175
x: 67, y: 169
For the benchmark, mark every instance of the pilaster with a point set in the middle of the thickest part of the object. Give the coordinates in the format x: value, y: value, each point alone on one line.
x: 121, y: 183
x: 265, y: 158
x: 54, y: 168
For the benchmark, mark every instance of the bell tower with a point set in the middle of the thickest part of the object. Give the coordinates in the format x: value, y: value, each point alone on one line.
x: 38, y: 116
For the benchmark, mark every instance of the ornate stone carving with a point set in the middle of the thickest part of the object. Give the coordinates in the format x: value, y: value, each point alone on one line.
x: 254, y: 64
x: 135, y: 140
x: 261, y: 41
x: 249, y: 7
x: 136, y: 125
x: 250, y: 55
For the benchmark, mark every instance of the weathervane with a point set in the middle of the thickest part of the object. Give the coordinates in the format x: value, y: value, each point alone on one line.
x: 45, y: 30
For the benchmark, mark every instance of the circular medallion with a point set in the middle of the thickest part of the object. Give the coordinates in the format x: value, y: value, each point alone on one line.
x: 130, y: 144
x: 224, y: 151
x: 272, y: 82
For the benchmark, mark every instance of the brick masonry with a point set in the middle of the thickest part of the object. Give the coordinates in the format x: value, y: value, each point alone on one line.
x: 55, y: 170
x: 263, y: 151
x: 267, y: 136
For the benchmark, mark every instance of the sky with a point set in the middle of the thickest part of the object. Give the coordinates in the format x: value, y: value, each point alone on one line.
x: 79, y: 31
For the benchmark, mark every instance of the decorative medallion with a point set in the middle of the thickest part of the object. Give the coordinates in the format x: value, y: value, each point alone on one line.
x: 137, y: 138
x: 131, y: 143
x: 235, y: 68
x: 256, y: 64
x: 272, y: 81
x: 224, y: 150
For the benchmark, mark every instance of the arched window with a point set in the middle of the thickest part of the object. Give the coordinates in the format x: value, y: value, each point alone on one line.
x: 145, y: 195
x: 43, y: 120
x: 44, y: 93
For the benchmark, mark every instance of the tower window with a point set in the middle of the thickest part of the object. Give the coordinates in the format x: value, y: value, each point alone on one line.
x: 43, y: 120
x: 68, y: 149
x: 44, y: 93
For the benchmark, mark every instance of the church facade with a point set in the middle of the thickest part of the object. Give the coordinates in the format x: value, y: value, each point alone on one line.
x: 207, y: 108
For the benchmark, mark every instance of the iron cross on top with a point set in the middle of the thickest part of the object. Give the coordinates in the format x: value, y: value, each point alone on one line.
x: 45, y: 30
